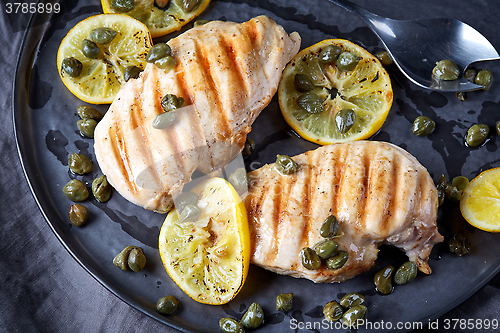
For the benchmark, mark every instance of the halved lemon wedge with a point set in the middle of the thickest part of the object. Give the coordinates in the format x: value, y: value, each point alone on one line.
x: 335, y: 91
x: 102, y: 63
x: 208, y: 258
x: 160, y: 16
x: 480, y: 203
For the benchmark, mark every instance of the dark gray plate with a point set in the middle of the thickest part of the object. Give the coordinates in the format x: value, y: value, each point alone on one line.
x: 45, y: 125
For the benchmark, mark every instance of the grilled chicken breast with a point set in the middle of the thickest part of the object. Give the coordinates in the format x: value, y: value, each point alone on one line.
x: 379, y: 193
x: 226, y: 73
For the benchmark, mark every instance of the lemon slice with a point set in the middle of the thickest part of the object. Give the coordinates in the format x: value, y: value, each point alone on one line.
x: 480, y: 203
x: 365, y: 90
x: 161, y: 21
x: 209, y: 258
x: 101, y: 77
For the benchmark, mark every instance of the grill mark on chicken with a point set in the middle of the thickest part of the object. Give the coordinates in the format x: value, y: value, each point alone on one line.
x: 118, y: 147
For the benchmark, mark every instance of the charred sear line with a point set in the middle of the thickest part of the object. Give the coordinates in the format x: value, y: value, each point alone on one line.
x: 376, y: 77
x: 363, y: 197
x: 120, y: 152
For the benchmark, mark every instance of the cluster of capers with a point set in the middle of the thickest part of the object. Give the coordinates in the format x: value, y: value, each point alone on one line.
x: 459, y: 244
x: 252, y: 318
x: 386, y: 276
x: 451, y: 191
x: 130, y: 257
x: 326, y: 249
x: 447, y: 70
x: 350, y: 310
x: 169, y: 103
x: 160, y: 54
x: 89, y: 117
x: 483, y: 78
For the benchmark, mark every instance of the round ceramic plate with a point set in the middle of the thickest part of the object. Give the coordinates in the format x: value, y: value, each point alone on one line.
x: 45, y: 126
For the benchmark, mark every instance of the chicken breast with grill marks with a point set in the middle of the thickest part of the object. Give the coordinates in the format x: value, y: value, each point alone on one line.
x: 379, y: 193
x: 226, y: 73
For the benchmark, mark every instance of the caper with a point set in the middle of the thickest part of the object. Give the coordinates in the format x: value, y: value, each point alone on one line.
x: 122, y: 6
x: 158, y: 51
x: 338, y: 260
x: 452, y: 192
x: 347, y: 61
x: 459, y: 244
x: 302, y: 83
x: 446, y: 70
x: 329, y: 227
x: 131, y: 72
x: 189, y: 5
x: 329, y: 54
x: 461, y: 96
x: 384, y: 58
x: 352, y: 299
x: 76, y: 191
x: 406, y: 273
x: 86, y: 127
x: 484, y: 78
x: 284, y: 302
x: 249, y: 147
x: 88, y: 112
x: 170, y: 102
x: 197, y: 23
x: 344, y: 119
x: 167, y: 304
x: 310, y: 102
x: 286, y: 165
x: 120, y: 260
x: 470, y: 74
x: 190, y: 213
x: 239, y: 180
x: 326, y: 248
x: 460, y: 182
x: 441, y: 185
x: 253, y: 317
x: 477, y: 134
x: 90, y: 49
x: 80, y: 164
x: 136, y: 259
x: 184, y: 199
x: 78, y: 215
x: 423, y: 125
x: 229, y: 325
x: 101, y: 189
x: 332, y: 311
x: 310, y: 258
x: 168, y: 63
x: 72, y: 66
x: 498, y: 127
x: 383, y: 280
x: 163, y: 120
x: 102, y: 35
x: 354, y: 315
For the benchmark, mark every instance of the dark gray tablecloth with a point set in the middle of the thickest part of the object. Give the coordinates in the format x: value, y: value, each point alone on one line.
x: 42, y: 289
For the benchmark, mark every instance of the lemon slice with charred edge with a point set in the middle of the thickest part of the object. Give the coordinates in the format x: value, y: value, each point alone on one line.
x: 209, y: 258
x: 160, y: 16
x: 480, y: 203
x: 364, y: 92
x: 102, y: 75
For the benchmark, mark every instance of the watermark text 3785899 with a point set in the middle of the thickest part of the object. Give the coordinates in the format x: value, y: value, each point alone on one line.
x: 31, y: 8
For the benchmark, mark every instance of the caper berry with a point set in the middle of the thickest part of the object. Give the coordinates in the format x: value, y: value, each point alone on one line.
x: 383, y: 280
x: 459, y: 244
x: 90, y: 49
x: 446, y: 70
x: 347, y: 61
x: 286, y: 165
x: 423, y: 125
x: 338, y: 260
x: 102, y: 35
x: 170, y: 102
x: 101, y: 189
x: 123, y: 6
x: 239, y: 180
x: 284, y: 302
x: 88, y: 112
x: 163, y: 120
x: 329, y: 227
x: 167, y: 304
x: 249, y: 147
x: 484, y: 78
x: 460, y: 182
x: 477, y: 134
x: 406, y: 273
x: 76, y: 191
x: 384, y: 58
x: 470, y: 74
x: 311, y: 103
x: 253, y: 317
x: 158, y: 51
x: 184, y: 199
x: 352, y: 299
x: 326, y: 248
x: 131, y: 72
x: 197, y: 23
x: 78, y: 215
x: 310, y: 258
x: 79, y: 163
x: 168, y: 63
x: 190, y: 213
x: 333, y: 311
x: 352, y: 316
x: 329, y: 54
x: 72, y: 66
x: 86, y: 127
x: 130, y: 257
x: 189, y: 5
x: 344, y: 119
x: 302, y: 83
